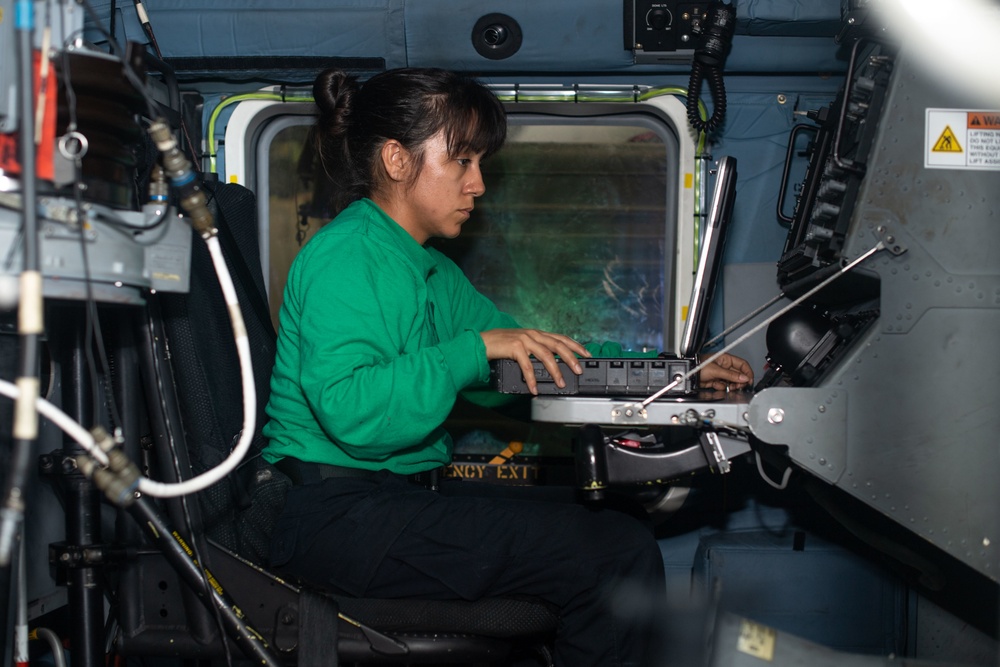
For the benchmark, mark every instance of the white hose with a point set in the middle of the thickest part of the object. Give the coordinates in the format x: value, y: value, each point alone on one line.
x: 60, y: 419
x: 209, y: 477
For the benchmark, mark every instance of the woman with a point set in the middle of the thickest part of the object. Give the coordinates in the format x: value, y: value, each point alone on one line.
x: 378, y: 335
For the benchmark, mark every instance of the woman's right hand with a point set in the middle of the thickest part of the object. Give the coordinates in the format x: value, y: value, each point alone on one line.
x: 522, y: 344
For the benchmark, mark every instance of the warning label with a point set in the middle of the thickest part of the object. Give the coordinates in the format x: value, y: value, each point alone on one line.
x: 986, y: 121
x: 947, y: 142
x: 962, y: 139
x: 756, y: 640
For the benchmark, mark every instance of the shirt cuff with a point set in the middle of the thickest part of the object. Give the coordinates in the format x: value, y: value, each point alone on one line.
x: 465, y: 356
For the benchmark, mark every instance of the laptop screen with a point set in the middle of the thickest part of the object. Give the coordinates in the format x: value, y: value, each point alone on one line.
x: 710, y: 258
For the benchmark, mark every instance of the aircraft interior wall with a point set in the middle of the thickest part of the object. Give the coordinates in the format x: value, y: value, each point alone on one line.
x: 776, y: 36
x: 827, y: 571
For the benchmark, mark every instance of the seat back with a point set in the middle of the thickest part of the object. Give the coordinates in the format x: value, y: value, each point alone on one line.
x: 239, y: 511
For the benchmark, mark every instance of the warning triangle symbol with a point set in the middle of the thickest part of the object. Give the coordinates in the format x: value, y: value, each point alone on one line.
x: 947, y: 142
x: 975, y: 120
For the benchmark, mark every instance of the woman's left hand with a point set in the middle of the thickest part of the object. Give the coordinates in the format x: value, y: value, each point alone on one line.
x: 727, y: 372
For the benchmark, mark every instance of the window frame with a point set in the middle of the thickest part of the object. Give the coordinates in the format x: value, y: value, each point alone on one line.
x: 255, y: 123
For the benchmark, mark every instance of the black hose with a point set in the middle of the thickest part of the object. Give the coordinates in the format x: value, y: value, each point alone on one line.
x: 718, y: 89
x: 708, y: 62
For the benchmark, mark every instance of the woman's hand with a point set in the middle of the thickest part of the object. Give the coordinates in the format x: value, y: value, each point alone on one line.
x: 727, y: 372
x: 522, y: 344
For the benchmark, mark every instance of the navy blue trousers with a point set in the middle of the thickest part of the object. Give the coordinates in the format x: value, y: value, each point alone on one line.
x: 384, y: 537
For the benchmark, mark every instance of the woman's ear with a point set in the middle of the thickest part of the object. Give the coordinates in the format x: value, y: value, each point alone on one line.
x: 396, y: 160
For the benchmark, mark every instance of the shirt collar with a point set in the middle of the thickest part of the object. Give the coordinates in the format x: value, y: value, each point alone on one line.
x: 400, y: 238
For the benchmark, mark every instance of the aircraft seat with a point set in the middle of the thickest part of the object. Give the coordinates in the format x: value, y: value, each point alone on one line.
x: 229, y: 526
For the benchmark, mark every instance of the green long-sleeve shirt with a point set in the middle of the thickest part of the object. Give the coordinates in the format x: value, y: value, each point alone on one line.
x: 377, y: 337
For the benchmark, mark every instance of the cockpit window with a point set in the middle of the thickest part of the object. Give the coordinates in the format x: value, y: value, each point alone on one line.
x: 570, y: 235
x: 575, y: 234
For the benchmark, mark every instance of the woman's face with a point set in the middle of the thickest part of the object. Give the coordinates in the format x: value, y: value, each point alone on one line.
x: 441, y: 197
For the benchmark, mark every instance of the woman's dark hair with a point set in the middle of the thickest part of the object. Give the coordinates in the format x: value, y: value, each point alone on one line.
x: 409, y: 105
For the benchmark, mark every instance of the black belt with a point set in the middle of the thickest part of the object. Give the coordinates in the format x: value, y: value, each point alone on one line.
x: 303, y: 472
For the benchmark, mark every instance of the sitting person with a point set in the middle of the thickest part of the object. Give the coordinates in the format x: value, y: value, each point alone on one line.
x: 378, y: 335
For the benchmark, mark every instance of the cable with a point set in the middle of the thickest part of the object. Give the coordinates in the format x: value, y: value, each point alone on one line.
x: 92, y: 325
x: 147, y: 26
x: 30, y: 307
x: 209, y: 477
x: 68, y: 425
x: 55, y: 645
x: 193, y: 201
x: 212, y: 476
x: 210, y: 134
x: 158, y: 197
x: 707, y: 64
x: 717, y: 86
x: 21, y: 621
x: 197, y: 544
x: 213, y: 118
x: 180, y: 556
x: 784, y: 478
x: 111, y: 219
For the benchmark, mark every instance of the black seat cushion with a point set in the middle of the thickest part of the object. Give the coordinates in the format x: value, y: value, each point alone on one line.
x: 491, y: 617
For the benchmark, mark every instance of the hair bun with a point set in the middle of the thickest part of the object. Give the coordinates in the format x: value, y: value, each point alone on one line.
x: 334, y: 92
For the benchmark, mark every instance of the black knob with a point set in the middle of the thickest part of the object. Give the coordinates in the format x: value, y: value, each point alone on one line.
x: 831, y: 190
x: 659, y: 19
